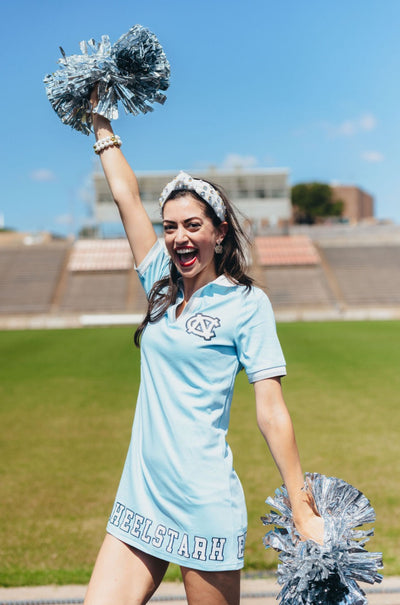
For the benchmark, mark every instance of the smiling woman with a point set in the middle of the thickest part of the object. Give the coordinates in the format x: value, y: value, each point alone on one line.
x: 201, y: 244
x: 190, y: 238
x: 180, y: 499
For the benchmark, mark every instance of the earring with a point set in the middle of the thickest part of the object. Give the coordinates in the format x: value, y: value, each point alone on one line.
x: 218, y: 249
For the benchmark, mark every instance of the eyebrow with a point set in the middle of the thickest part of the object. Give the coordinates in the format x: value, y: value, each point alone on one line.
x: 187, y: 220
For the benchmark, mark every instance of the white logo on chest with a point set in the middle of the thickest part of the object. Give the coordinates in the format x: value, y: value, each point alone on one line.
x: 202, y: 325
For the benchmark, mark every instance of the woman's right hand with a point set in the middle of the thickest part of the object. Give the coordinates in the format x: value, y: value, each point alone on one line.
x: 101, y: 125
x: 94, y: 97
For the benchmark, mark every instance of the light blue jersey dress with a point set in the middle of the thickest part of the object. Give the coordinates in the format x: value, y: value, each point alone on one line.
x: 179, y: 498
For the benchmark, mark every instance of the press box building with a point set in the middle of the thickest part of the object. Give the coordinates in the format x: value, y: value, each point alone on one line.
x: 261, y: 195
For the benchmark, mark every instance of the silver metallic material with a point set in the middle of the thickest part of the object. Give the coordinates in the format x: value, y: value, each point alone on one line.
x: 310, y: 573
x: 134, y: 71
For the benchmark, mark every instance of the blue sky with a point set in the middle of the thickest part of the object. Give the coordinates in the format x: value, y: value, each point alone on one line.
x: 309, y: 85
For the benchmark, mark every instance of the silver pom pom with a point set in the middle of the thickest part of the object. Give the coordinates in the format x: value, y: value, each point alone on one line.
x: 314, y: 574
x: 133, y: 71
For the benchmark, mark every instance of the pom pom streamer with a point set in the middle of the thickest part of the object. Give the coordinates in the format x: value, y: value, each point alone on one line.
x: 310, y: 573
x: 134, y: 71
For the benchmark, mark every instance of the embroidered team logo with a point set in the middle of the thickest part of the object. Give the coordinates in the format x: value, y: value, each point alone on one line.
x: 202, y: 325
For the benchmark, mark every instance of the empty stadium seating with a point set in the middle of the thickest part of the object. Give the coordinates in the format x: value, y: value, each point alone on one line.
x: 100, y: 255
x: 366, y: 274
x: 298, y: 286
x: 90, y: 292
x: 100, y: 278
x: 97, y: 276
x: 29, y: 277
x: 285, y: 250
x: 291, y: 273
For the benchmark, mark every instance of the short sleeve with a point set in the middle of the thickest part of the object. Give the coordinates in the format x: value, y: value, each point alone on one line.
x: 258, y: 346
x: 154, y: 266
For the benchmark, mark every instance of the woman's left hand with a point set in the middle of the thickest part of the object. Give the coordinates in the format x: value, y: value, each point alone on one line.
x: 311, y: 527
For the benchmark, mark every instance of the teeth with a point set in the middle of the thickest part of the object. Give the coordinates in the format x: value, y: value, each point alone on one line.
x: 185, y: 250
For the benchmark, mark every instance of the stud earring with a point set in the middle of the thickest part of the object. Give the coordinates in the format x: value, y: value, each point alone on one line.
x: 218, y: 248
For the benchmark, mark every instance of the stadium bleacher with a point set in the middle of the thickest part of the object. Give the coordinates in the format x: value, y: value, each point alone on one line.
x: 100, y: 255
x: 366, y: 274
x: 29, y: 277
x: 297, y: 286
x: 100, y: 291
x: 299, y: 273
x: 290, y: 271
x: 285, y: 250
x: 98, y: 277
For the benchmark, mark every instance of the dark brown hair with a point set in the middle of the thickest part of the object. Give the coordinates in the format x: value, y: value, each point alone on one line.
x: 232, y: 261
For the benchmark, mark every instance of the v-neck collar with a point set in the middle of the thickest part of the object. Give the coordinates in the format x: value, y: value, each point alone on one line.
x: 221, y: 280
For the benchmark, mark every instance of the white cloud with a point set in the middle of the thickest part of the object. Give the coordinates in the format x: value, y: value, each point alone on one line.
x: 64, y: 219
x: 367, y: 122
x: 374, y: 157
x: 42, y: 175
x: 235, y: 160
x: 348, y: 128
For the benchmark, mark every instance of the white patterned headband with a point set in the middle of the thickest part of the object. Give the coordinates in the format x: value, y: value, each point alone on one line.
x: 202, y: 188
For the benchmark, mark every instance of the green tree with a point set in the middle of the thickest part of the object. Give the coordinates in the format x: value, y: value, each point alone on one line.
x: 311, y: 201
x: 88, y: 232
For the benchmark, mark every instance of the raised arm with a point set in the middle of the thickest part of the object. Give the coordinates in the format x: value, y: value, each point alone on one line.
x: 125, y: 191
x: 276, y: 427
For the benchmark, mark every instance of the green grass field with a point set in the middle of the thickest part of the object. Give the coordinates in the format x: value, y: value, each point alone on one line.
x: 66, y: 408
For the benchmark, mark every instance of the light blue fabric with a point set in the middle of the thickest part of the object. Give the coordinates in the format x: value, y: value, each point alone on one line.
x: 179, y: 497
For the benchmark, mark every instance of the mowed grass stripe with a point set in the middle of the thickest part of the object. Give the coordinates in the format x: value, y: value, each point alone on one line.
x: 66, y: 407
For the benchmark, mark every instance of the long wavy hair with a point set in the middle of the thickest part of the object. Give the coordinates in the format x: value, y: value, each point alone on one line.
x: 232, y: 262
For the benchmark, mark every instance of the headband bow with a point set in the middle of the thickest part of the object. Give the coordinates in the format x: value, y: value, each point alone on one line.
x: 202, y: 188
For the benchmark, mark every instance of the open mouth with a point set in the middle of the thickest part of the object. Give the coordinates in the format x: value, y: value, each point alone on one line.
x: 186, y: 256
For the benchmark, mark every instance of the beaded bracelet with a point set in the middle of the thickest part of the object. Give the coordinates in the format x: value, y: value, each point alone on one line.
x: 112, y: 141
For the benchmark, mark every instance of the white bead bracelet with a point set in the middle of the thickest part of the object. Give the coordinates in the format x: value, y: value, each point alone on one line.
x: 112, y: 141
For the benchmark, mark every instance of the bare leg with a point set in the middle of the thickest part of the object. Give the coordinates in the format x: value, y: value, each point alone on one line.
x: 123, y: 575
x: 211, y: 587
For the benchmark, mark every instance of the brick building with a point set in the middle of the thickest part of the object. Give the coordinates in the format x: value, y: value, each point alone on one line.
x: 358, y: 204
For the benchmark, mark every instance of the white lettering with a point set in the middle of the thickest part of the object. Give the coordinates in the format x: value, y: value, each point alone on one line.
x: 126, y: 524
x: 172, y: 537
x: 137, y: 524
x: 140, y: 527
x: 183, y: 550
x: 159, y: 534
x: 241, y: 542
x: 117, y: 513
x: 217, y: 549
x: 145, y: 536
x: 200, y: 548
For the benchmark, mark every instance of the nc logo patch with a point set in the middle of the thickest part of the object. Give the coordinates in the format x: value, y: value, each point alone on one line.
x: 202, y: 325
